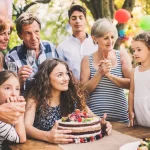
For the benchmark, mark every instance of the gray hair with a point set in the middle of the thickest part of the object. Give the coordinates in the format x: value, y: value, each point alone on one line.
x: 25, y: 19
x: 102, y: 27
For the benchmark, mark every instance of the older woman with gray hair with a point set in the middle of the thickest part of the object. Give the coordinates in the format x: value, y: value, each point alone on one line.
x: 107, y: 73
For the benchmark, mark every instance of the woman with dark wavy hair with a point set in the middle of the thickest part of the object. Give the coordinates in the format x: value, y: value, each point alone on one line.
x: 55, y: 94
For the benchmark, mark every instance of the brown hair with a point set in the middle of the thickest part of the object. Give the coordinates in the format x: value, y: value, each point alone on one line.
x: 5, y: 23
x: 143, y: 37
x: 5, y: 75
x: 73, y: 98
x: 76, y: 8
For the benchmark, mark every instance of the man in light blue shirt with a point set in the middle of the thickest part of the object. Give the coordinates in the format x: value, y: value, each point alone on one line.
x: 79, y: 43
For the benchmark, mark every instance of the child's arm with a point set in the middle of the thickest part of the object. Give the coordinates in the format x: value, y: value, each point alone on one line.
x: 19, y: 127
x: 8, y: 132
x: 131, y: 99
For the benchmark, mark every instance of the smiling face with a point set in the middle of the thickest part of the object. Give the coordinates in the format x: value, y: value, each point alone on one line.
x: 4, y: 38
x: 106, y: 43
x: 77, y: 21
x: 59, y: 78
x: 31, y: 35
x: 10, y: 87
x: 141, y: 52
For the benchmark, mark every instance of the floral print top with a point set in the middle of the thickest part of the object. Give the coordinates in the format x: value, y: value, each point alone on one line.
x: 45, y: 117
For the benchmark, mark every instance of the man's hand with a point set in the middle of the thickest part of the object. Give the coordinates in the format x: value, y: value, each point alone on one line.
x: 10, y: 112
x: 24, y: 73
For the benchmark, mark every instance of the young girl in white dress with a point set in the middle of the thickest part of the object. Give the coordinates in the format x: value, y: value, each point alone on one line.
x: 139, y: 95
x: 9, y: 92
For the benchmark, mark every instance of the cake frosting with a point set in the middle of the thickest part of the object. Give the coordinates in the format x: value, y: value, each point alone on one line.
x: 85, y: 128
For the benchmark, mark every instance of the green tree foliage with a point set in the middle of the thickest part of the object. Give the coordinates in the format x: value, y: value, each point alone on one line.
x: 54, y: 18
x: 145, y: 4
x: 52, y: 14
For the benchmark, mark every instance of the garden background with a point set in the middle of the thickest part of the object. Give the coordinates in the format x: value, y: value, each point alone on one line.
x: 54, y: 17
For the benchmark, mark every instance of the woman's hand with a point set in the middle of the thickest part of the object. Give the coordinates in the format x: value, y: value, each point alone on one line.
x: 59, y: 136
x: 131, y: 117
x: 106, y: 126
x: 105, y: 67
x: 101, y: 68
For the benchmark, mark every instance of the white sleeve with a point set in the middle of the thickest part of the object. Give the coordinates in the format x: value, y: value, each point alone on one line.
x: 8, y: 132
x: 60, y: 52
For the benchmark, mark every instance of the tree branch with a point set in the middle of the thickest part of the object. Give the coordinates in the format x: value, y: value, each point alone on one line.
x: 128, y: 5
x: 43, y: 1
x: 28, y: 6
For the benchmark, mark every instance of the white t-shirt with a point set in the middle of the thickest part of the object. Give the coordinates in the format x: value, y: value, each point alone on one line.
x: 72, y: 51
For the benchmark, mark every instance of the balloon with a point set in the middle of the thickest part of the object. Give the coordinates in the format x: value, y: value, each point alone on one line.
x: 145, y: 22
x: 122, y: 16
x: 121, y: 32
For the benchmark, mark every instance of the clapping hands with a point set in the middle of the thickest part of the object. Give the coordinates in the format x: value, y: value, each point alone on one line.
x: 104, y: 67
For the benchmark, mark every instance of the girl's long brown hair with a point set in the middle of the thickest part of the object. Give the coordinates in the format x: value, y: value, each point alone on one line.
x: 73, y: 98
x: 6, y: 74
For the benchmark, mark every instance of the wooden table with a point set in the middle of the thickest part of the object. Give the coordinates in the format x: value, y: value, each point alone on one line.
x: 137, y: 131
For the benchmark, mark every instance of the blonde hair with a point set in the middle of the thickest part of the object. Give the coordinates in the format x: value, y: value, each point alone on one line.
x: 102, y: 27
x: 1, y: 61
x: 5, y: 23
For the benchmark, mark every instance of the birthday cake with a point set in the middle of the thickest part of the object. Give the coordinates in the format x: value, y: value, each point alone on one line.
x: 85, y: 128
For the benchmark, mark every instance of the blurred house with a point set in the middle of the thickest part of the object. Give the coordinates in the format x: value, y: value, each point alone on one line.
x: 6, y: 8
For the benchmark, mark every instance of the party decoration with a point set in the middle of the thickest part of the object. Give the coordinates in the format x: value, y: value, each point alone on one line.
x: 122, y: 35
x: 122, y: 16
x: 144, y: 22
